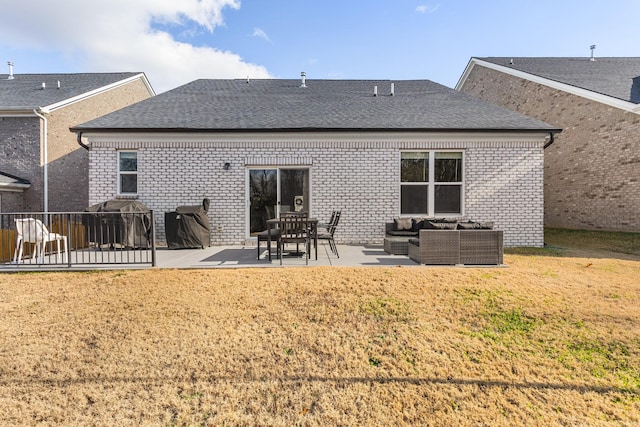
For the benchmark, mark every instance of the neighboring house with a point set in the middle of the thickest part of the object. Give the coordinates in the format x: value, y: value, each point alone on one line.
x: 257, y: 147
x: 43, y: 167
x: 9, y: 185
x: 592, y: 171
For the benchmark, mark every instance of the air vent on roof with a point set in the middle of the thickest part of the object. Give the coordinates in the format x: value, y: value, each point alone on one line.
x: 303, y: 75
x: 593, y: 48
x: 375, y: 91
x: 10, y: 71
x: 393, y: 89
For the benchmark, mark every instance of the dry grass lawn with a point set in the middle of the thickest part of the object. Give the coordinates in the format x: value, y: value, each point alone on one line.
x: 554, y: 339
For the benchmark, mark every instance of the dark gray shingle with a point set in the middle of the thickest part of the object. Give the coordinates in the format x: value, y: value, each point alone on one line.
x: 13, y: 182
x: 615, y: 77
x: 323, y: 105
x: 25, y: 90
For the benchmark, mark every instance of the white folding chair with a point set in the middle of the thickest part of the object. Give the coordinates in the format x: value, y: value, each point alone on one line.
x: 32, y: 230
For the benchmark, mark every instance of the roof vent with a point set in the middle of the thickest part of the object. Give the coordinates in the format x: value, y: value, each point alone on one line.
x: 58, y: 84
x: 393, y: 89
x: 44, y: 85
x: 375, y: 91
x: 511, y: 61
x: 303, y: 75
x: 593, y: 48
x: 10, y: 71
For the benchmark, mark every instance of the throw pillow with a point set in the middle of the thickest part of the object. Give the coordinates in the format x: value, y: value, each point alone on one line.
x: 468, y: 225
x: 403, y: 224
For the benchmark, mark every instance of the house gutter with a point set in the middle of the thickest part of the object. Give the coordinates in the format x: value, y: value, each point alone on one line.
x: 45, y: 160
x: 552, y: 138
x: 79, y: 139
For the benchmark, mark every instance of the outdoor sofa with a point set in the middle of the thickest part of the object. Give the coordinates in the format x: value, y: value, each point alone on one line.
x: 445, y: 242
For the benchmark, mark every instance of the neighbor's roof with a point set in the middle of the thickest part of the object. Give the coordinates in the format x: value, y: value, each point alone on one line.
x: 615, y: 77
x: 269, y: 105
x: 25, y: 91
x: 12, y: 182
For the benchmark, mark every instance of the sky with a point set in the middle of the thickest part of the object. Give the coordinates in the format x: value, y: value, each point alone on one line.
x: 177, y: 41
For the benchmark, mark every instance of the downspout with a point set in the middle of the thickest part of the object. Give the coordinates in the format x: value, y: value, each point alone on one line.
x: 45, y: 160
x: 79, y: 139
x: 551, y: 140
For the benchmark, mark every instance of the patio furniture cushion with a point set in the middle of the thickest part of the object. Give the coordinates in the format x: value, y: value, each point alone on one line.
x: 468, y: 225
x: 433, y: 225
x: 402, y: 233
x: 403, y: 224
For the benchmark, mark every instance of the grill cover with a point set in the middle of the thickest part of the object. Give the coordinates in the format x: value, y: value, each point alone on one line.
x: 127, y: 222
x: 188, y: 227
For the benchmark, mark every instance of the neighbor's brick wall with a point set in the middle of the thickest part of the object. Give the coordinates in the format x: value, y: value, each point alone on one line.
x: 503, y: 183
x: 20, y: 156
x: 592, y: 171
x: 68, y: 161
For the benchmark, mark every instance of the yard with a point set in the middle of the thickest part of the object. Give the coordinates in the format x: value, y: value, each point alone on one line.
x: 554, y: 339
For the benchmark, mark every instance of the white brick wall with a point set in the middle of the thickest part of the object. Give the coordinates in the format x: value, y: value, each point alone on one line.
x: 356, y: 174
x: 506, y: 186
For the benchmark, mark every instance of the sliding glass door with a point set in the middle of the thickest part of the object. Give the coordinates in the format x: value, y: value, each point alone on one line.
x: 275, y: 190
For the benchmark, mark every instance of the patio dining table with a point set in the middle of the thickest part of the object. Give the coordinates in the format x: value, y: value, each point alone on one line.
x: 275, y: 223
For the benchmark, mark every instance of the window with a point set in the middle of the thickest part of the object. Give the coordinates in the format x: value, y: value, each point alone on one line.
x: 127, y: 172
x: 431, y: 183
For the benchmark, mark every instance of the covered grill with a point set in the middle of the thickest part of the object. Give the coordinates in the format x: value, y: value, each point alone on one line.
x: 188, y: 227
x: 124, y: 222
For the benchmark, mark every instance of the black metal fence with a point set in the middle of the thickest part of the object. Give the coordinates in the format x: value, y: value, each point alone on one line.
x: 76, y: 239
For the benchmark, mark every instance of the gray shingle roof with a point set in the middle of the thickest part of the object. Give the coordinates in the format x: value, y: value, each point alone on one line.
x: 208, y: 105
x: 8, y: 181
x: 615, y: 77
x: 25, y: 90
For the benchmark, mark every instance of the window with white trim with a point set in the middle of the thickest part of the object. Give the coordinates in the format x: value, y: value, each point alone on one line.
x: 127, y: 172
x: 431, y: 183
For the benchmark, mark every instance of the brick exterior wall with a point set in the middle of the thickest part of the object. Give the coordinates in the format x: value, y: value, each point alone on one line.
x: 20, y: 154
x: 592, y: 171
x: 503, y: 180
x: 68, y: 162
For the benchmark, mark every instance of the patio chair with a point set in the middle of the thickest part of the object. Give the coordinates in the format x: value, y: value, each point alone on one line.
x: 327, y: 225
x: 32, y: 230
x: 328, y: 235
x: 263, y: 236
x: 294, y: 229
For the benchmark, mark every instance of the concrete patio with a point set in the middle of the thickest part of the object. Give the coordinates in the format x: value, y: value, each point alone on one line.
x: 246, y: 257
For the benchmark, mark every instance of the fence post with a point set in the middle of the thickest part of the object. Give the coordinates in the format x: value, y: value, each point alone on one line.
x: 70, y: 239
x: 153, y: 240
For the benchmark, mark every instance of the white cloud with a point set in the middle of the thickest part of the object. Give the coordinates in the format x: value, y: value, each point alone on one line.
x: 423, y: 8
x: 118, y: 35
x: 259, y: 32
